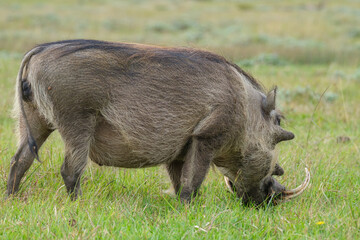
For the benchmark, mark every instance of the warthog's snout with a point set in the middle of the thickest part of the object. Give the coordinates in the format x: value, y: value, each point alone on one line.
x: 273, y: 191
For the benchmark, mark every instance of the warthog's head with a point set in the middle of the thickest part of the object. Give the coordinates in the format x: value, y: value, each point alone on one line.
x: 250, y: 172
x: 270, y: 191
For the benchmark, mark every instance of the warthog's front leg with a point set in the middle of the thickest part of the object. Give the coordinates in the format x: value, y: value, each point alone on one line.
x: 206, y: 139
x: 196, y: 165
x: 174, y: 171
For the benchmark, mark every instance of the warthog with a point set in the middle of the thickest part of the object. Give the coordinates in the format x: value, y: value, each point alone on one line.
x: 135, y: 106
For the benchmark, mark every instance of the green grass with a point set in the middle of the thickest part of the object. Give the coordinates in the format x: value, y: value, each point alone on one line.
x: 303, y: 48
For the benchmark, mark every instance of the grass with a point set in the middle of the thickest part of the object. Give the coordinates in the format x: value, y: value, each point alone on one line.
x: 302, y: 47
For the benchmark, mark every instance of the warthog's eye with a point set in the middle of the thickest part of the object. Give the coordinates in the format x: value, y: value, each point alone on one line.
x: 277, y: 120
x: 276, y: 117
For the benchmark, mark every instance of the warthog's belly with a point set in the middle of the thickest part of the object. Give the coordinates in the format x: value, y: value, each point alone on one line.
x: 114, y: 147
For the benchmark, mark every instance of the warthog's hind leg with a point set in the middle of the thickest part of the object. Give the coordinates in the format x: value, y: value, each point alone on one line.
x: 77, y: 135
x: 72, y: 169
x: 23, y: 158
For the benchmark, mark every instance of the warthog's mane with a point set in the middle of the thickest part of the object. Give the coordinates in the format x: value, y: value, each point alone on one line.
x: 172, y: 55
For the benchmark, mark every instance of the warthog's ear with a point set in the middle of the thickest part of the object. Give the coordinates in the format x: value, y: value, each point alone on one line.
x: 268, y: 103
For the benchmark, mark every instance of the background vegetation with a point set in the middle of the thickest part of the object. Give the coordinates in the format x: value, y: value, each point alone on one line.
x: 310, y: 49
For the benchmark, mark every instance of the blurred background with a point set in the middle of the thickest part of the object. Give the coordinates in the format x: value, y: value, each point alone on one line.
x: 273, y: 31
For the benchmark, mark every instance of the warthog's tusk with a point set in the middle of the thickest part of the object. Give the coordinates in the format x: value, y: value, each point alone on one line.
x: 289, y: 194
x: 229, y: 184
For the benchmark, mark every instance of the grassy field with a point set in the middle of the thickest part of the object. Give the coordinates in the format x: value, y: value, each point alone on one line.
x: 310, y: 50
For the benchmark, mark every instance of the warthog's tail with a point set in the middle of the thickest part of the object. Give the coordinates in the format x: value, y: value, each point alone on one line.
x: 24, y: 97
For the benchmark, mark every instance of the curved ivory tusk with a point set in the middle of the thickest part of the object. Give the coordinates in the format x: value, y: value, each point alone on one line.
x: 228, y: 184
x: 289, y: 194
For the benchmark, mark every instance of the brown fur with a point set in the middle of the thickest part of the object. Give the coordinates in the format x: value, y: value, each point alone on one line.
x: 133, y: 106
